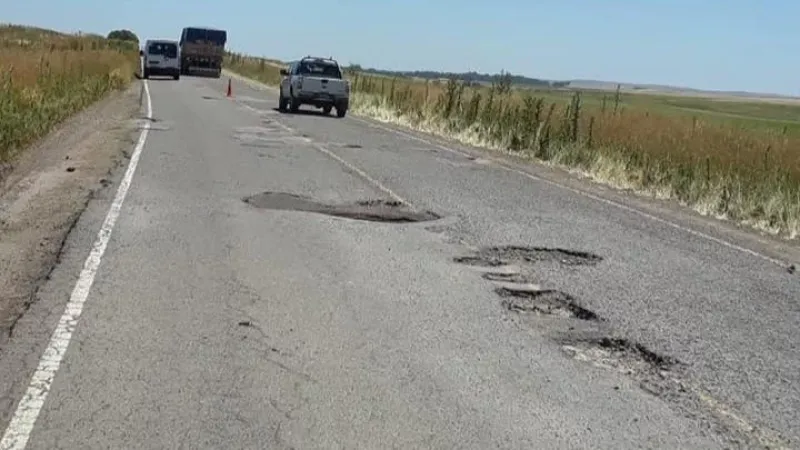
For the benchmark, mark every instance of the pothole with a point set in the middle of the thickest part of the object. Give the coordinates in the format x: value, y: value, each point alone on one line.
x: 546, y: 301
x: 540, y: 254
x: 495, y: 256
x: 369, y: 210
x: 479, y: 261
x: 376, y: 202
x: 507, y: 277
x: 620, y: 354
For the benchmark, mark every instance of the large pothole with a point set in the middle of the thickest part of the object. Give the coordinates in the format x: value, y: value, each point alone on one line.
x: 547, y: 302
x: 369, y: 210
x: 501, y: 255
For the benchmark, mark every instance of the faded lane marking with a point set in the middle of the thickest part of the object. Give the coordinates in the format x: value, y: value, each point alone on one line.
x: 336, y: 157
x: 21, y: 426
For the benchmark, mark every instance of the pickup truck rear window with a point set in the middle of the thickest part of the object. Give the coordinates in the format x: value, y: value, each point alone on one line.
x: 168, y: 50
x: 319, y: 69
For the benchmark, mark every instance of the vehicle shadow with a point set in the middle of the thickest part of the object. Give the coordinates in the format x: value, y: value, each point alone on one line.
x: 201, y: 75
x: 153, y: 77
x: 303, y: 112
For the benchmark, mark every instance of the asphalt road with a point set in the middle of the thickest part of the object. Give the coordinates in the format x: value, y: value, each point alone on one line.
x: 218, y: 323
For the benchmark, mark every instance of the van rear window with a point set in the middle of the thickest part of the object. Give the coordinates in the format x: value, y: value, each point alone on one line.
x: 164, y: 49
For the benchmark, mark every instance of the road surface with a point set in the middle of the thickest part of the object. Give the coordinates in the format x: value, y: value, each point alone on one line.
x: 254, y: 292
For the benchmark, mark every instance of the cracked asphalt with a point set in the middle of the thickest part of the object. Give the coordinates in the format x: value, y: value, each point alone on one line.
x: 214, y: 323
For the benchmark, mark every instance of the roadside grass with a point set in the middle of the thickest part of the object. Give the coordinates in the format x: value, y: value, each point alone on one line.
x: 46, y: 76
x: 733, y: 160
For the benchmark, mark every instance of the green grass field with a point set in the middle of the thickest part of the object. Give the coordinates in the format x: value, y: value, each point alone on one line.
x: 46, y: 76
x: 743, y: 113
x: 730, y: 159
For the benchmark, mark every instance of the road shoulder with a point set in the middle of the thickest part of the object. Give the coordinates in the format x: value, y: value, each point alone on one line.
x: 48, y: 188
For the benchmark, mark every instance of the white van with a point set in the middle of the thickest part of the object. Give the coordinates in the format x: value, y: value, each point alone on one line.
x: 161, y: 57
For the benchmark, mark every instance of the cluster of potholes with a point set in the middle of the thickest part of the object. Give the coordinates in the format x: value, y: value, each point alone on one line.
x: 521, y: 295
x: 594, y: 343
x: 518, y: 293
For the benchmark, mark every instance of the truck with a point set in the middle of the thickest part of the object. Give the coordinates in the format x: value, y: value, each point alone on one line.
x: 314, y: 81
x: 202, y: 50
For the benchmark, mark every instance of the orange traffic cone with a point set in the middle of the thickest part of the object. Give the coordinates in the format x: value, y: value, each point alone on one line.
x: 230, y: 92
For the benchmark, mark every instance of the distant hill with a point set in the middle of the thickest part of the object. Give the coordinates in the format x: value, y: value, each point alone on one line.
x: 667, y: 89
x: 469, y: 77
x: 523, y: 81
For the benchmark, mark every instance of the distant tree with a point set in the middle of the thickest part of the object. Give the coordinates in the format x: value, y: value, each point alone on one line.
x: 123, y: 35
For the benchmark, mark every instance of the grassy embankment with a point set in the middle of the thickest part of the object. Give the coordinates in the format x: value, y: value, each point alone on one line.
x: 46, y: 77
x: 734, y: 159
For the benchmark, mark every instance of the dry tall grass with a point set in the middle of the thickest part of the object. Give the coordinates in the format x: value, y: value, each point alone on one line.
x: 747, y: 174
x: 45, y: 77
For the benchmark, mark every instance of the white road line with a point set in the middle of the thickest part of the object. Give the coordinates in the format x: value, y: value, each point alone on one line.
x: 19, y: 429
x: 503, y: 165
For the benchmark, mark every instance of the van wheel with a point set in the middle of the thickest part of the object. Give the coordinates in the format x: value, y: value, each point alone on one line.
x: 146, y: 74
x: 177, y: 77
x: 282, y: 103
x: 340, y: 112
x: 326, y: 110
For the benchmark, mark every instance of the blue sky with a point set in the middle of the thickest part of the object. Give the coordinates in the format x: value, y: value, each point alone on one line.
x: 705, y: 44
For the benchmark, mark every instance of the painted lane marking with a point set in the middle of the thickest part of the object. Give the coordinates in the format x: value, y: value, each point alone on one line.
x: 21, y: 426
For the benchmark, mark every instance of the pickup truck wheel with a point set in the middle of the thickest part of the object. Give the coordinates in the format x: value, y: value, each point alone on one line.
x: 294, y: 105
x: 340, y: 112
x: 326, y: 110
x: 282, y: 103
x: 146, y: 74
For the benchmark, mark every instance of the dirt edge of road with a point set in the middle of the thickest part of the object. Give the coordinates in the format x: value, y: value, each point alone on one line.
x: 45, y: 191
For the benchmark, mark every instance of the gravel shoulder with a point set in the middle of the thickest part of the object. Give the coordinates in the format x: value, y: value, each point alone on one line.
x: 44, y: 192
